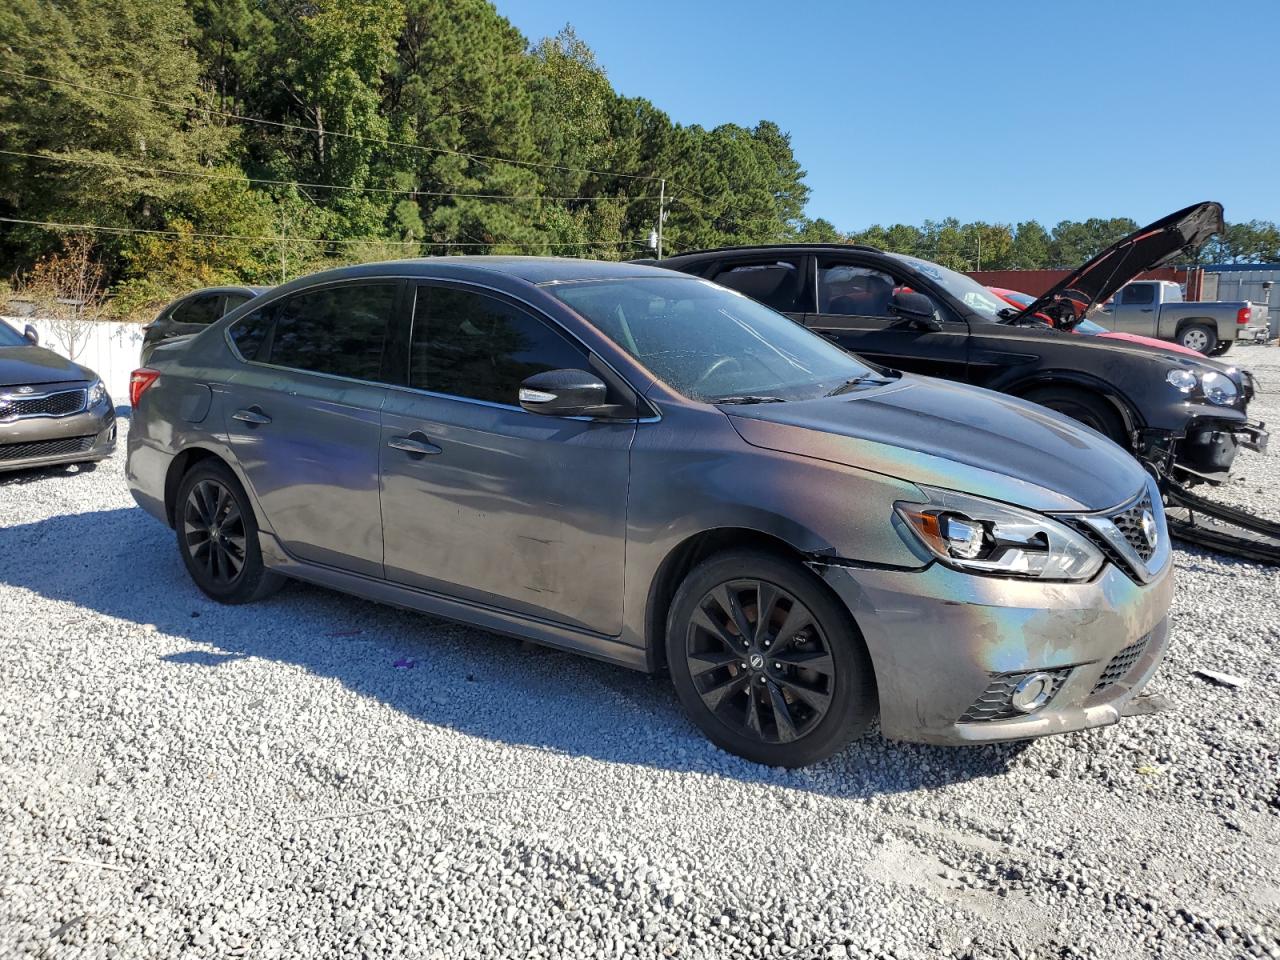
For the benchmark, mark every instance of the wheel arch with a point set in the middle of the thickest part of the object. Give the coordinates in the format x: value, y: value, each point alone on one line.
x: 1075, y: 380
x: 182, y: 464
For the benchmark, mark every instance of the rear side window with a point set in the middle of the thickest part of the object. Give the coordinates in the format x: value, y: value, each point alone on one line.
x: 474, y: 346
x: 1138, y: 293
x: 200, y: 310
x: 338, y: 330
x: 778, y: 283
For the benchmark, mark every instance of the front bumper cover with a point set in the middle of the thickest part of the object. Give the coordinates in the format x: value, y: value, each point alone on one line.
x: 49, y: 441
x: 938, y: 638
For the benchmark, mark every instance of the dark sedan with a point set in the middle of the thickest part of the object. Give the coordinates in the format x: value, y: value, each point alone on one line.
x: 192, y: 313
x: 1183, y: 415
x: 52, y: 411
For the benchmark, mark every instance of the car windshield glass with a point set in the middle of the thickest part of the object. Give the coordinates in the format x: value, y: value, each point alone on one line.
x: 712, y: 344
x: 10, y: 337
x: 1089, y: 328
x: 965, y: 289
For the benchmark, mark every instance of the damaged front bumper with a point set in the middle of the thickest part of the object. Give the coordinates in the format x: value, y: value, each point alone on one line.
x: 950, y: 649
x: 1205, y: 451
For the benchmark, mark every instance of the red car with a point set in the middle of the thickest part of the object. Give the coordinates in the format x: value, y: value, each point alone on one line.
x: 1091, y: 329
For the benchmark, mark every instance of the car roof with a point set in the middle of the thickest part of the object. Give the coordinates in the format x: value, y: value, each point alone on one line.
x: 768, y: 248
x: 534, y: 270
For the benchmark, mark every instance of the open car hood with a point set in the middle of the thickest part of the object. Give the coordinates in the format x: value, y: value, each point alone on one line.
x: 1179, y: 234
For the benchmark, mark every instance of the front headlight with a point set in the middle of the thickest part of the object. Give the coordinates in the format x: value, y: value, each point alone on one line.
x: 983, y: 536
x: 1183, y: 380
x: 97, y: 393
x: 1218, y: 388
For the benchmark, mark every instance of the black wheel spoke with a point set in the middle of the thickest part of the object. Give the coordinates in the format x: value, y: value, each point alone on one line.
x: 707, y: 622
x: 766, y: 598
x: 818, y: 661
x: 798, y: 617
x: 714, y: 696
x: 781, y: 714
x: 753, y: 712
x: 728, y: 601
x: 213, y: 530
x: 818, y: 700
x: 700, y: 663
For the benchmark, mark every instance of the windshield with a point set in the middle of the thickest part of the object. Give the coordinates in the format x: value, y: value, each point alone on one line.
x: 1089, y: 328
x: 712, y: 344
x: 10, y: 337
x: 965, y: 289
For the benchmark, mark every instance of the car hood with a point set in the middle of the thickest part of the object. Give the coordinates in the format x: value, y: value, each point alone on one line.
x: 1168, y: 345
x: 31, y: 364
x: 954, y: 436
x: 1179, y: 234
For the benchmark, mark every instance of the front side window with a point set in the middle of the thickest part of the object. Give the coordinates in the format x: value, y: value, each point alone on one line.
x: 1138, y: 293
x: 853, y: 291
x: 776, y: 283
x: 475, y: 346
x: 965, y: 289
x: 202, y: 310
x: 339, y: 330
x: 711, y: 344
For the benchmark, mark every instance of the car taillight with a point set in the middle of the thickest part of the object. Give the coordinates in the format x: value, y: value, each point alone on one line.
x: 1242, y: 315
x: 139, y: 380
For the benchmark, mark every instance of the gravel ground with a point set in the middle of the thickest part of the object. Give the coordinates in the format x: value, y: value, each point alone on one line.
x: 319, y: 776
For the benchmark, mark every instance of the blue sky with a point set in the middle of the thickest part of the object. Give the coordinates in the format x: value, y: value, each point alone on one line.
x: 999, y: 111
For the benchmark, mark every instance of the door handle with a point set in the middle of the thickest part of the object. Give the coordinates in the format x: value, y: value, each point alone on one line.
x: 416, y: 445
x: 1146, y: 309
x: 252, y: 416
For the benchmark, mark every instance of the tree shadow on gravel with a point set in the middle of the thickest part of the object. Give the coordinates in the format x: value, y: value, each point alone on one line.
x: 123, y: 564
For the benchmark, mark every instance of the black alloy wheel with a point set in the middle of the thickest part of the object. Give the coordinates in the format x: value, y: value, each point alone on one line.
x: 759, y: 660
x: 214, y: 533
x: 218, y: 536
x: 766, y: 659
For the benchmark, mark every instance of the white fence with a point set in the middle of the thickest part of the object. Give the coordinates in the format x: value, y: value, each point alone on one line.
x: 109, y: 349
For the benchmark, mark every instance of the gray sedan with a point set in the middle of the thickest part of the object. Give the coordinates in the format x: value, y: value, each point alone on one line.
x: 647, y: 468
x: 52, y: 411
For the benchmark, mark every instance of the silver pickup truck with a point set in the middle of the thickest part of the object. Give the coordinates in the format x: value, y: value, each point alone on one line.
x: 1155, y: 308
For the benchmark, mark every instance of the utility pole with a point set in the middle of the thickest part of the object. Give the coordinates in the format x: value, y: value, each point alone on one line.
x: 662, y: 212
x: 283, y: 231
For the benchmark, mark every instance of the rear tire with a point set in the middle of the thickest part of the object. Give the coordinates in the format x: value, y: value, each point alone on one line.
x: 1093, y: 412
x: 788, y: 689
x: 218, y: 536
x: 1199, y: 337
x: 1222, y: 347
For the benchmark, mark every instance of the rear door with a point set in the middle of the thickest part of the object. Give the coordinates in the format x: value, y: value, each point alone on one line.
x: 484, y: 501
x: 304, y: 418
x: 853, y: 310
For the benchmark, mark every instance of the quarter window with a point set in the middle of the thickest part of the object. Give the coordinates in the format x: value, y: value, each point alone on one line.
x: 249, y: 333
x: 338, y: 330
x: 470, y: 345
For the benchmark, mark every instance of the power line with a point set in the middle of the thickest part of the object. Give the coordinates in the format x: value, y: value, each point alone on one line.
x: 99, y: 228
x: 300, y: 183
x: 173, y: 104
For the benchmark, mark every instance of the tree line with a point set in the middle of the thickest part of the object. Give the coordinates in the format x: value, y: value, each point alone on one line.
x: 196, y: 142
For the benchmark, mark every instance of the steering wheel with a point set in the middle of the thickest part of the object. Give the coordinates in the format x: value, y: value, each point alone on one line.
x: 716, y: 366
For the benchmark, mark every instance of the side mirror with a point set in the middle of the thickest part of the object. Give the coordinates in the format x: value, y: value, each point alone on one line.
x: 564, y: 393
x: 32, y: 334
x: 915, y: 307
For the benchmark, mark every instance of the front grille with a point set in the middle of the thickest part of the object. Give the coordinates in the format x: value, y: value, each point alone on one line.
x: 35, y: 449
x: 58, y: 404
x: 1121, y: 664
x: 994, y: 704
x: 1129, y: 523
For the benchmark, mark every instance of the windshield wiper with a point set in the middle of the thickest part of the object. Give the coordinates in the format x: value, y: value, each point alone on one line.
x: 748, y: 398
x: 857, y: 382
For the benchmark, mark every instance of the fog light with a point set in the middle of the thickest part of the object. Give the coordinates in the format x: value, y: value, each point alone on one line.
x: 1032, y: 692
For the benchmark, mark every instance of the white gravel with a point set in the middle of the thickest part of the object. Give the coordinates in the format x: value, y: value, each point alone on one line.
x: 166, y: 765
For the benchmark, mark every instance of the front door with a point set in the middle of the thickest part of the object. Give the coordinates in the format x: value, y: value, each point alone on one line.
x: 303, y: 417
x: 853, y: 311
x: 1133, y: 310
x: 484, y: 501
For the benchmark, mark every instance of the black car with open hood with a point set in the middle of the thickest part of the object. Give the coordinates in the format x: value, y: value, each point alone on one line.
x: 1183, y: 416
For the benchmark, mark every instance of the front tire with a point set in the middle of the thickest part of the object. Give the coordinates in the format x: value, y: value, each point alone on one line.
x: 218, y: 536
x: 1092, y: 411
x: 1199, y: 337
x: 786, y: 688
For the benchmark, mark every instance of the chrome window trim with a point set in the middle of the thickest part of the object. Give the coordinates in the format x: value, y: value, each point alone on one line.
x: 435, y: 395
x: 15, y: 397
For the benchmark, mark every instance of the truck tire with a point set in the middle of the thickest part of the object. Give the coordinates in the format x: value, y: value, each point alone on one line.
x: 1199, y: 337
x: 1222, y: 347
x: 1093, y: 411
